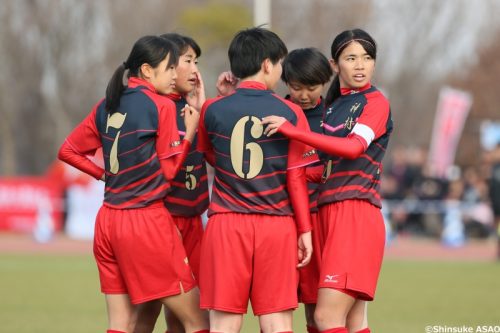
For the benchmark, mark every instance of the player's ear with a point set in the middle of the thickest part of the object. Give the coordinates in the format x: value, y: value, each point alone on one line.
x: 146, y: 71
x: 267, y: 66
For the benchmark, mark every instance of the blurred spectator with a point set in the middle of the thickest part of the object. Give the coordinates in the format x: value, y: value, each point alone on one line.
x: 417, y: 203
x: 494, y: 192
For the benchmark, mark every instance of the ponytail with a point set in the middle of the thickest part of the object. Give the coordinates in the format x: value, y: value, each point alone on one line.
x: 150, y: 50
x: 115, y: 89
x: 333, y: 91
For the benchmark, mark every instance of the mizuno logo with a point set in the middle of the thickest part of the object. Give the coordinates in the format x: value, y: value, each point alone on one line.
x: 332, y: 278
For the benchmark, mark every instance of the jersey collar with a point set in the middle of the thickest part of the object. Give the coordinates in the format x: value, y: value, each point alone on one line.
x: 175, y: 97
x: 134, y: 82
x: 252, y: 85
x: 349, y: 91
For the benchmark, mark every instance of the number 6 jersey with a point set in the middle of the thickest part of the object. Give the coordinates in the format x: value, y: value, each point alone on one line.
x: 250, y: 168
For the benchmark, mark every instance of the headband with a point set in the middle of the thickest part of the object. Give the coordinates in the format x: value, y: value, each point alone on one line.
x: 350, y: 41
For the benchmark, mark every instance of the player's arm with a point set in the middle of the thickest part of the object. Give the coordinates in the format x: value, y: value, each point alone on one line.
x: 204, y: 145
x: 83, y: 141
x: 297, y: 190
x: 350, y: 147
x: 371, y: 125
x: 299, y: 157
x: 172, y: 158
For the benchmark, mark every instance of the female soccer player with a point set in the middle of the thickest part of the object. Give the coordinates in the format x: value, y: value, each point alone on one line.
x: 305, y: 73
x: 138, y: 251
x: 188, y: 197
x: 251, y: 247
x: 357, y: 126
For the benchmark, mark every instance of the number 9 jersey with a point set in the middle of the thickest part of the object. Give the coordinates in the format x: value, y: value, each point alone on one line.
x: 250, y: 168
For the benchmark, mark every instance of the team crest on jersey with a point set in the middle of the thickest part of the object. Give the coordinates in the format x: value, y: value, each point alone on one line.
x: 175, y: 144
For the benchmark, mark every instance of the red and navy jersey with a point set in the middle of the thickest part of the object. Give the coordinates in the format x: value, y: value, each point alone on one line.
x: 366, y: 113
x: 314, y: 118
x: 250, y: 168
x: 134, y: 139
x: 188, y: 195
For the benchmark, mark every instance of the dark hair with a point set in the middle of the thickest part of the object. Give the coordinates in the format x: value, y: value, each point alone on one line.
x: 338, y: 45
x: 150, y: 50
x: 250, y: 47
x: 306, y: 66
x: 183, y: 43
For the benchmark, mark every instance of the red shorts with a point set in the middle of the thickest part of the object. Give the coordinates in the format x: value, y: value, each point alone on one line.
x: 352, y: 255
x: 309, y: 275
x: 249, y: 256
x: 191, y: 229
x: 139, y: 252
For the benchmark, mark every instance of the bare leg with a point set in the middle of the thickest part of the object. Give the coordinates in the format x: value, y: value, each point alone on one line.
x: 120, y: 312
x: 173, y: 323
x: 309, y: 312
x: 497, y: 233
x: 276, y: 322
x: 146, y: 316
x: 357, y: 319
x: 225, y: 322
x: 332, y: 308
x: 186, y: 307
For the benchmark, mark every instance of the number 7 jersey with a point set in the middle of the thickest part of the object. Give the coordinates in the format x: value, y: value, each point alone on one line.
x: 134, y: 140
x: 250, y: 168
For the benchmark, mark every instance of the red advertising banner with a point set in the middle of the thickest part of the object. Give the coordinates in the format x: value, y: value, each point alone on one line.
x: 30, y: 202
x: 452, y: 110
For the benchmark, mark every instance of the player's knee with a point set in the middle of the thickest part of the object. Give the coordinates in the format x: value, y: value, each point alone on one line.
x: 330, y: 317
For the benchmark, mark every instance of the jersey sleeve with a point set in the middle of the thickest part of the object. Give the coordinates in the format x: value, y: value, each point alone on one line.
x: 204, y: 144
x: 373, y: 120
x: 85, y: 138
x: 82, y: 142
x: 168, y: 142
x: 300, y: 154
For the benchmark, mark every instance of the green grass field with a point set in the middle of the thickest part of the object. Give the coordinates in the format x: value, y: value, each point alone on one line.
x: 48, y: 293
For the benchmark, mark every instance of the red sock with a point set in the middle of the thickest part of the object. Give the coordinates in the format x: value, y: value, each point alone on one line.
x: 312, y: 329
x: 115, y: 331
x: 204, y: 331
x: 336, y: 330
x: 364, y: 330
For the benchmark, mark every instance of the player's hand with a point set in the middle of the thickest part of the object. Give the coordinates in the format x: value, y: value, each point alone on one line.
x: 305, y: 249
x: 273, y: 124
x: 191, y: 120
x: 226, y: 83
x: 197, y: 97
